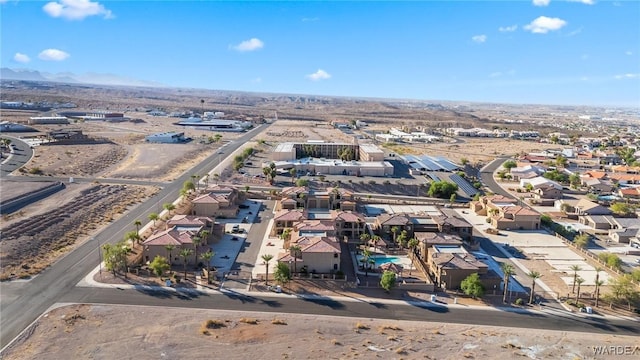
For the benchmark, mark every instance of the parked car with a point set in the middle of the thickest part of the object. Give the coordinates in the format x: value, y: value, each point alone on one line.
x: 243, y: 206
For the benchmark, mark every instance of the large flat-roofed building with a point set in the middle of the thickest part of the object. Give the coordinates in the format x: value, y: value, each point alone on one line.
x: 319, y: 157
x: 370, y: 152
x: 40, y: 120
x: 284, y: 152
x: 166, y: 137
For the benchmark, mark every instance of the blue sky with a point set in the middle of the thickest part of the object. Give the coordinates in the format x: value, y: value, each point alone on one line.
x: 582, y: 52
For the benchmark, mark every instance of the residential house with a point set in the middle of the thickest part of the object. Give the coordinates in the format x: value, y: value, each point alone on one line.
x: 196, y: 223
x: 597, y: 222
x: 284, y: 219
x: 624, y: 230
x: 156, y: 245
x: 487, y: 203
x: 515, y: 218
x: 588, y: 207
x: 526, y: 172
x: 426, y: 240
x: 539, y: 182
x: 318, y: 254
x: 629, y: 193
x: 547, y: 192
x: 349, y: 224
x: 450, y: 222
x: 597, y: 186
x: 216, y: 201
x: 385, y: 222
x: 450, y: 265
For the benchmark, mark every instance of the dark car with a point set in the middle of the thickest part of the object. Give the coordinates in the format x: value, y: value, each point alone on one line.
x: 243, y: 206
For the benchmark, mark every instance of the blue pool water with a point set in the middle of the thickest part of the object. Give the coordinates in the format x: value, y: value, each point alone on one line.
x: 381, y: 259
x: 607, y: 197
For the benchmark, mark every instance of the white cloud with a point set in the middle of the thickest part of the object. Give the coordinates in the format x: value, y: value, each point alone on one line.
x: 495, y: 74
x: 629, y: 53
x: 249, y: 45
x: 584, y: 57
x: 627, y: 76
x: 76, y: 9
x: 508, y: 28
x: 588, y: 2
x: 21, y: 58
x: 310, y: 19
x: 257, y: 80
x: 53, y: 55
x: 319, y: 75
x: 541, y: 2
x: 479, y: 38
x: 543, y: 25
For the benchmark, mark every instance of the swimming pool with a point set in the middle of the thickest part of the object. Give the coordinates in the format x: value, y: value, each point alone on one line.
x: 381, y: 259
x: 608, y: 197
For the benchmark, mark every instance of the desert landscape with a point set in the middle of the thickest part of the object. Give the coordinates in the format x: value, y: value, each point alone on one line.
x: 119, y: 332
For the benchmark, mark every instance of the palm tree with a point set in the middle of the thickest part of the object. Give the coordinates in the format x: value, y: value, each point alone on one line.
x: 204, y: 234
x: 598, y: 284
x: 366, y: 255
x: 534, y: 275
x: 206, y: 257
x: 169, y: 250
x: 395, y: 231
x: 197, y: 240
x: 375, y: 239
x: 133, y: 237
x: 286, y: 233
x: 295, y: 249
x: 413, y: 244
x: 169, y: 207
x: 266, y: 258
x: 579, y: 281
x: 154, y: 217
x: 185, y: 253
x: 507, y: 271
x: 364, y: 238
x: 202, y: 105
x: 575, y: 269
x: 137, y: 223
x: 292, y: 172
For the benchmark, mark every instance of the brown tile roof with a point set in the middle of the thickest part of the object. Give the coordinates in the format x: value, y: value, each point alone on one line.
x: 393, y: 219
x: 289, y: 215
x: 189, y: 220
x: 322, y: 245
x: 501, y: 199
x: 209, y: 198
x: 170, y: 237
x: 315, y: 225
x: 456, y: 261
x: 519, y: 211
x: 596, y: 174
x: 432, y: 238
x: 348, y: 216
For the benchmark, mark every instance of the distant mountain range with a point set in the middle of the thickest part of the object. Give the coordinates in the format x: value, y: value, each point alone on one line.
x: 67, y: 77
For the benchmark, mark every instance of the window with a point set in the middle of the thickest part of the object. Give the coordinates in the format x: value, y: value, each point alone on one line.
x: 335, y: 255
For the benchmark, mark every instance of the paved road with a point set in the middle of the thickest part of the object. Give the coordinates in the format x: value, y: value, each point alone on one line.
x: 486, y: 174
x: 419, y: 311
x: 21, y: 155
x: 23, y: 301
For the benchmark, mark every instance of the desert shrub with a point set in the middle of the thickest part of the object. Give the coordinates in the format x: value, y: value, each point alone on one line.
x: 519, y: 301
x: 361, y: 326
x: 251, y: 321
x: 278, y: 322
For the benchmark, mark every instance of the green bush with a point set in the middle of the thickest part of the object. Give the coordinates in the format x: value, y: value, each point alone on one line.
x: 519, y: 301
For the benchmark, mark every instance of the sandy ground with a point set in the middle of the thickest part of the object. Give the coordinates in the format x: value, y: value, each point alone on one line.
x: 473, y: 149
x: 125, y: 332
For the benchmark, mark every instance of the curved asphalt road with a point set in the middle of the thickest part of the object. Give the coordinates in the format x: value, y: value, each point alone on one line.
x: 20, y: 156
x: 23, y: 301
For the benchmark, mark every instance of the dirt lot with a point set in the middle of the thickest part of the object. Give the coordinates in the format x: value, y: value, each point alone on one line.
x: 37, y: 235
x: 119, y: 332
x: 473, y: 149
